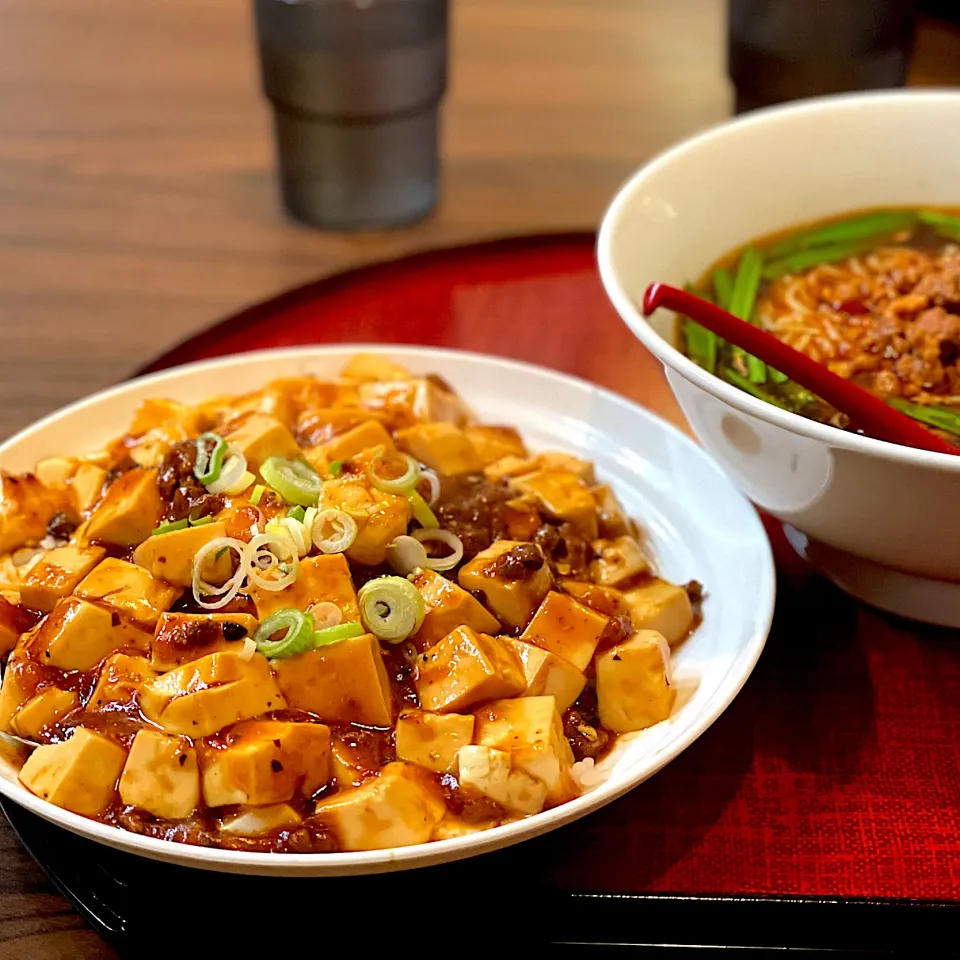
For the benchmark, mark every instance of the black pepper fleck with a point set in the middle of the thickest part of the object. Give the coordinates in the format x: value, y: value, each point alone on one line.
x: 114, y: 619
x: 276, y: 743
x: 276, y: 766
x: 616, y: 656
x: 182, y: 759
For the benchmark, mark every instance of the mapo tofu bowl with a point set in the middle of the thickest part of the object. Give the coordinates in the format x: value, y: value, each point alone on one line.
x: 838, y: 207
x: 348, y: 619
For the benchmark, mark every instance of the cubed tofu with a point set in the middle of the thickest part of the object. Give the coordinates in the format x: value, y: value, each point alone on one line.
x: 521, y: 518
x: 606, y: 600
x: 325, y: 578
x: 492, y: 575
x: 169, y: 556
x: 633, y: 686
x: 87, y: 485
x: 77, y: 635
x: 364, y: 436
x: 493, y: 443
x: 373, y: 366
x: 130, y: 509
x: 661, y: 606
x: 43, y: 710
x: 55, y: 471
x: 257, y: 821
x: 343, y: 682
x: 452, y: 826
x: 567, y: 461
x: 120, y: 677
x: 20, y: 679
x: 258, y: 438
x: 157, y: 425
x: 380, y: 517
x: 448, y: 606
x: 566, y: 628
x: 406, y: 403
x: 617, y: 562
x: 11, y: 626
x: 490, y: 772
x: 161, y: 776
x: 26, y: 506
x: 441, y: 446
x: 266, y: 761
x: 531, y: 730
x: 509, y: 466
x: 79, y: 774
x: 563, y: 496
x: 128, y: 589
x: 205, y: 695
x: 432, y: 740
x: 57, y: 574
x: 466, y: 668
x: 182, y: 637
x: 612, y: 520
x: 548, y: 675
x: 398, y: 808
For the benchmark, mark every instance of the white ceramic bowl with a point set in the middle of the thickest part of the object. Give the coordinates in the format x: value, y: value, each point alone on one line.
x: 881, y: 520
x: 699, y: 527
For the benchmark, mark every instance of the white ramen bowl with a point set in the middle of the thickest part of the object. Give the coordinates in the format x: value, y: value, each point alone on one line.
x: 882, y: 520
x: 697, y: 524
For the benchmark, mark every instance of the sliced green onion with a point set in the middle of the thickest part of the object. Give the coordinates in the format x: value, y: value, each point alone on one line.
x: 209, y: 463
x: 169, y: 527
x: 870, y: 226
x: 943, y: 418
x: 945, y: 224
x: 295, y: 480
x: 746, y: 385
x: 342, y: 631
x: 299, y: 627
x: 336, y: 468
x: 401, y: 485
x: 298, y: 513
x: 742, y: 302
x: 776, y: 376
x: 201, y: 521
x: 422, y: 512
x: 723, y: 287
x: 804, y: 259
x: 332, y: 531
x: 258, y: 491
x: 391, y: 608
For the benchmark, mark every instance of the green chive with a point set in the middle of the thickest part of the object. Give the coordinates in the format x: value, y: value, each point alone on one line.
x: 335, y: 468
x: 201, y: 521
x: 798, y: 262
x: 742, y: 302
x: 943, y: 418
x: 945, y: 224
x: 220, y: 553
x: 298, y: 513
x: 169, y: 527
x: 258, y: 491
x: 723, y: 287
x: 870, y: 226
x: 744, y: 384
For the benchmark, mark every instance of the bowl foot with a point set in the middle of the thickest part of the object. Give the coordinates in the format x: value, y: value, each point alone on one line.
x: 905, y: 594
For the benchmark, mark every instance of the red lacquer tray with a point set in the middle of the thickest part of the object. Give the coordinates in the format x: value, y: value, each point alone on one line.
x: 835, y: 775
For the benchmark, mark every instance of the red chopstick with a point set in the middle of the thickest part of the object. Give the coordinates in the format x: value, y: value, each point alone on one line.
x: 869, y: 413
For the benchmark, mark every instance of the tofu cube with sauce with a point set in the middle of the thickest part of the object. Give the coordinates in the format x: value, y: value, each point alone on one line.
x: 169, y: 556
x: 492, y: 443
x: 633, y: 684
x: 510, y: 577
x: 407, y: 403
x: 43, y: 710
x: 130, y: 509
x: 205, y: 695
x: 11, y: 626
x: 661, y: 606
x: 612, y: 520
x: 531, y: 730
x: 161, y: 776
x: 399, y: 807
x: 87, y: 485
x: 566, y: 628
x: 563, y: 496
x: 256, y: 821
x: 79, y: 774
x: 443, y: 447
x: 448, y: 606
x: 322, y: 579
x: 380, y: 517
x: 343, y: 682
x: 266, y: 761
x: 618, y: 561
x: 57, y: 574
x: 77, y: 635
x: 606, y: 600
x: 19, y: 685
x: 120, y: 677
x: 567, y: 461
x: 548, y: 675
x: 129, y: 590
x: 490, y: 772
x: 350, y: 443
x: 466, y: 668
x: 260, y: 437
x: 432, y: 740
x: 373, y: 367
x: 26, y: 506
x: 182, y: 637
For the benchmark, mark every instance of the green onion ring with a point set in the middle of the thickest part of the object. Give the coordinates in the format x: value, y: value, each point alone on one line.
x: 422, y: 512
x: 295, y: 480
x: 391, y: 608
x: 169, y: 527
x: 208, y: 466
x: 343, y: 531
x: 258, y: 492
x: 401, y: 485
x: 299, y: 634
x: 342, y: 631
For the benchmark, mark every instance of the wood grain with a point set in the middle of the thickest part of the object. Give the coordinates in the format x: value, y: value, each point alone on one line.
x: 137, y: 201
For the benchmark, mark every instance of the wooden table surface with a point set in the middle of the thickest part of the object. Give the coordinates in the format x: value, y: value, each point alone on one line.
x: 137, y: 200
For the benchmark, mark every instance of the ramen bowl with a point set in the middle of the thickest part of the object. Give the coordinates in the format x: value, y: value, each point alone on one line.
x: 881, y: 520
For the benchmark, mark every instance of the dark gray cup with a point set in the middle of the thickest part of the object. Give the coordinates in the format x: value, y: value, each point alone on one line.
x: 356, y: 87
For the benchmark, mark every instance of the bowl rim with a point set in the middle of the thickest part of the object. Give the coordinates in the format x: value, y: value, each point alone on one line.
x: 676, y: 361
x: 438, y: 851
